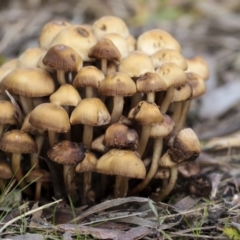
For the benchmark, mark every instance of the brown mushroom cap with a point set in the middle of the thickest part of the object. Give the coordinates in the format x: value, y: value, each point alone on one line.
x: 17, y: 141
x: 8, y: 113
x: 123, y: 163
x: 169, y: 56
x: 162, y: 173
x: 120, y: 136
x: 110, y: 24
x: 5, y: 170
x: 197, y: 84
x: 90, y: 111
x: 105, y: 49
x: 189, y: 169
x: 28, y: 82
x: 39, y: 175
x: 62, y: 57
x: 66, y: 95
x: 78, y: 37
x: 51, y: 117
x: 49, y: 31
x: 172, y: 74
x: 156, y: 39
x: 150, y: 82
x: 136, y: 64
x: 117, y: 84
x: 67, y: 153
x: 88, y: 164
x: 29, y: 58
x: 146, y: 113
x: 182, y: 93
x: 88, y: 76
x: 186, y: 146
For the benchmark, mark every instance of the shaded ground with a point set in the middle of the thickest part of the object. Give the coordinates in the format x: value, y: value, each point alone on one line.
x: 207, y: 28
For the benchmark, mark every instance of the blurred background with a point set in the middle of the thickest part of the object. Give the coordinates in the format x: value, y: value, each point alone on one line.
x: 210, y: 29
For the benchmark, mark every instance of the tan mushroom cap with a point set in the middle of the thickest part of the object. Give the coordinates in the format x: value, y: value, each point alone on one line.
x: 172, y: 74
x: 17, y: 141
x: 198, y: 65
x: 5, y: 170
x: 163, y: 129
x: 182, y: 93
x: 166, y: 161
x: 10, y: 64
x: 110, y: 24
x: 49, y: 31
x: 62, y: 57
x: 39, y: 175
x: 29, y: 128
x: 168, y: 56
x: 189, y: 169
x: 8, y: 113
x: 132, y: 43
x: 186, y: 146
x: 105, y: 49
x: 67, y: 153
x: 120, y: 136
x: 162, y: 173
x: 90, y: 111
x: 4, y: 72
x: 150, y: 82
x: 50, y: 117
x: 156, y: 39
x: 28, y: 82
x: 78, y: 37
x: 120, y: 42
x: 146, y: 113
x: 88, y: 76
x: 197, y: 84
x: 136, y: 64
x: 123, y: 163
x: 97, y: 144
x: 29, y: 58
x: 117, y: 84
x: 66, y: 95
x: 41, y: 65
x: 88, y: 164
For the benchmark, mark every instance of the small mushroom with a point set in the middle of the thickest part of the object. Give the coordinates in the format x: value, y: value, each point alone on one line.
x: 5, y: 173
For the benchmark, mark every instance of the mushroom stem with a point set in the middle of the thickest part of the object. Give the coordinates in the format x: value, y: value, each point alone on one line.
x: 169, y: 187
x: 87, y: 136
x: 35, y: 157
x: 135, y: 99
x: 157, y: 150
x: 104, y: 66
x: 151, y: 97
x: 89, y: 92
x: 144, y: 139
x: 38, y: 191
x: 61, y: 77
x: 26, y: 103
x: 68, y: 174
x: 1, y: 129
x: 121, y: 187
x: 87, y: 179
x: 16, y: 167
x: 167, y: 100
x: 184, y: 112
x: 52, y: 138
x: 177, y: 112
x: 118, y: 103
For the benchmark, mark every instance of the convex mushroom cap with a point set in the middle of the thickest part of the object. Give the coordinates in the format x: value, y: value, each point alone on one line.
x: 88, y: 164
x: 110, y: 24
x: 8, y: 113
x: 156, y: 39
x: 121, y: 162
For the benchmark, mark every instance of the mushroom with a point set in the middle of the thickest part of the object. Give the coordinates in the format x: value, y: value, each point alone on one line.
x: 105, y: 50
x: 90, y: 78
x: 5, y: 173
x: 10, y: 64
x: 64, y: 59
x: 28, y: 83
x: 147, y: 114
x: 110, y: 24
x: 18, y: 142
x: 8, y: 115
x: 52, y: 118
x: 69, y: 154
x: 39, y: 176
x: 132, y: 42
x: 124, y: 164
x: 118, y: 85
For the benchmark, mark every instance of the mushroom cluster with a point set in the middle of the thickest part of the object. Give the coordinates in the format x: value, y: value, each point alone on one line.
x: 98, y: 102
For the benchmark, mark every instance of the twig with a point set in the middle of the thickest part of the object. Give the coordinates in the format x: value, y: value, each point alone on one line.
x: 28, y: 213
